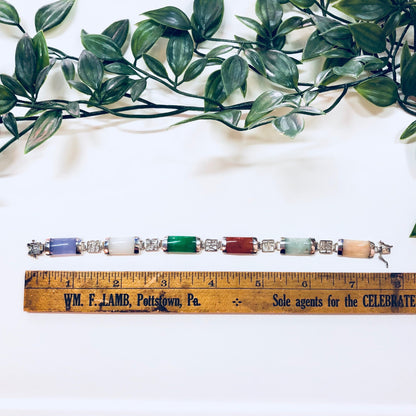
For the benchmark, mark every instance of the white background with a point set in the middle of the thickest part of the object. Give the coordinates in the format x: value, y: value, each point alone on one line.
x: 346, y: 176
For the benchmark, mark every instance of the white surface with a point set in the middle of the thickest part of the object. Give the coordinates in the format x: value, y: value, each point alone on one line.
x: 346, y: 176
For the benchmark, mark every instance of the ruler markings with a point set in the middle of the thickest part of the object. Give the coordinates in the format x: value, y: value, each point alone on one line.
x: 220, y: 292
x: 202, y: 288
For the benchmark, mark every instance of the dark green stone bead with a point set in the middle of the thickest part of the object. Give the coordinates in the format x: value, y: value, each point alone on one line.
x: 182, y: 244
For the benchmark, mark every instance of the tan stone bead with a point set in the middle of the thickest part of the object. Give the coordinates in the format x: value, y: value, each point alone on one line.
x: 356, y: 248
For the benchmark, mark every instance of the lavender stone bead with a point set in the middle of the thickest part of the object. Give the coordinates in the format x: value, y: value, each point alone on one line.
x: 63, y: 246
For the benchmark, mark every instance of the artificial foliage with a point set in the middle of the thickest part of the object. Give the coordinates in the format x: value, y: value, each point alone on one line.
x: 365, y: 45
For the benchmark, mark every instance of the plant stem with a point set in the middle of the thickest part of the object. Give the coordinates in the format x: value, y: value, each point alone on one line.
x: 396, y: 50
x: 403, y: 105
x: 22, y: 133
x: 337, y: 101
x: 325, y: 12
x: 62, y: 55
x: 173, y: 88
x: 21, y: 28
x: 239, y: 42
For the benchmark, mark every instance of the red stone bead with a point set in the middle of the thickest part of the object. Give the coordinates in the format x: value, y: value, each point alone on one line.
x: 239, y: 245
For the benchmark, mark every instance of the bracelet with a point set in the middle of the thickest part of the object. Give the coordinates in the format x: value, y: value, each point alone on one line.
x: 228, y: 245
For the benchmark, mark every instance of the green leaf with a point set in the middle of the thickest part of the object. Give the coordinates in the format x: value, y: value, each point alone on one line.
x: 41, y: 51
x: 338, y: 53
x: 276, y: 43
x: 145, y: 36
x: 25, y: 59
x: 254, y: 25
x: 309, y: 96
x: 371, y: 63
x: 292, y: 100
x: 214, y: 90
x: 315, y: 46
x: 218, y: 51
x: 215, y: 61
x: 234, y: 72
x: 413, y: 233
x: 102, y: 47
x: 303, y: 4
x: 45, y: 127
x: 263, y: 105
x: 243, y: 88
x: 207, y: 17
x: 114, y: 89
x: 350, y: 69
x: 324, y: 77
x: 392, y: 23
x: 405, y: 56
x: 327, y: 76
x: 289, y: 25
x: 33, y: 112
x: 333, y: 32
x: 51, y: 15
x: 90, y: 70
x: 339, y: 36
x: 228, y: 117
x: 7, y: 100
x: 13, y: 85
x: 40, y: 79
x: 194, y: 69
x: 137, y: 88
x: 9, y: 122
x: 409, y: 77
x: 365, y: 9
x: 410, y: 131
x: 155, y: 66
x: 324, y: 24
x: 119, y: 68
x: 256, y: 61
x: 308, y: 111
x: 270, y: 13
x: 171, y: 17
x: 79, y: 86
x: 68, y: 69
x: 8, y: 14
x: 281, y: 69
x: 179, y: 52
x: 381, y: 91
x: 290, y: 125
x: 118, y: 32
x: 369, y: 37
x: 73, y: 109
x: 405, y: 19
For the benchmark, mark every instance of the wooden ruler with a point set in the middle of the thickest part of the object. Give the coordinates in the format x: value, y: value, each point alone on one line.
x: 220, y: 292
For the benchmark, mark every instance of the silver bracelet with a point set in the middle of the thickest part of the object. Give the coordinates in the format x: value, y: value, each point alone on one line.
x: 228, y: 245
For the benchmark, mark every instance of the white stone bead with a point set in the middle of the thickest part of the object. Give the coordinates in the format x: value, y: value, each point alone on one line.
x: 121, y: 246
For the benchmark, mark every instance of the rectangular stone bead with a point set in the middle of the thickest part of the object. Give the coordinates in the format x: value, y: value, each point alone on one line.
x: 356, y: 248
x: 62, y: 246
x: 181, y: 244
x: 239, y: 245
x: 121, y: 246
x: 297, y: 246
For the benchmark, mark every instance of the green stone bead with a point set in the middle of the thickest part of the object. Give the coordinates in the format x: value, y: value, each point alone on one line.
x: 182, y: 244
x: 297, y: 246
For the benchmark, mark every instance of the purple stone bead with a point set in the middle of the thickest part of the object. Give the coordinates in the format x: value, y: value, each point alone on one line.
x: 63, y: 246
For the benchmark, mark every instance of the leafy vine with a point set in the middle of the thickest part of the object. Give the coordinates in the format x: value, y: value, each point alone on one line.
x: 367, y: 45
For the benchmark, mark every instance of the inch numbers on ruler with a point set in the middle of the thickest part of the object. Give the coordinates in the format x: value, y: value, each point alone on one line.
x: 220, y: 292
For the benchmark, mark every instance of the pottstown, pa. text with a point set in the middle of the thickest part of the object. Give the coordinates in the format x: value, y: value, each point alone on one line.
x: 277, y: 300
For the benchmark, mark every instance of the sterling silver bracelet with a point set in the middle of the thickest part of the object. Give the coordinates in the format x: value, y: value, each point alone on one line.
x: 228, y: 245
